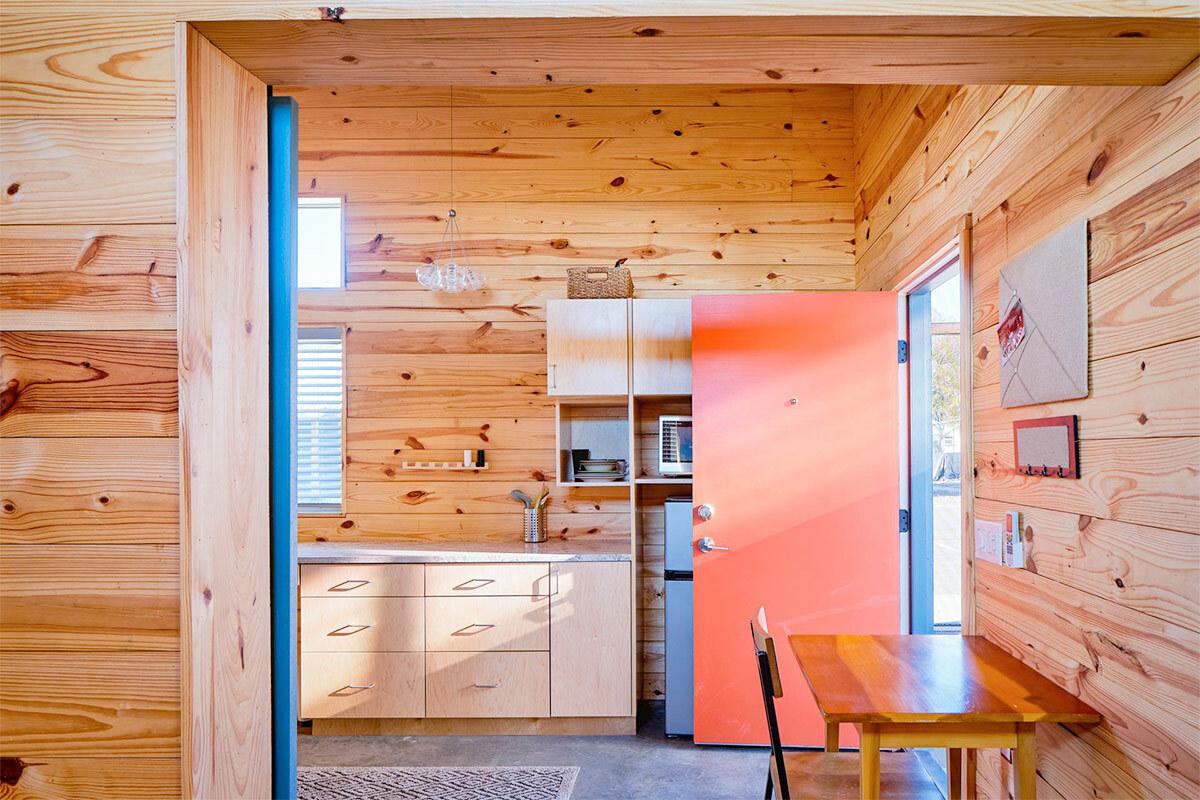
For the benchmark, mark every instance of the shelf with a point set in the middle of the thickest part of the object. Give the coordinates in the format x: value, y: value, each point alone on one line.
x: 439, y: 466
x: 650, y: 481
x: 593, y: 484
x: 591, y: 400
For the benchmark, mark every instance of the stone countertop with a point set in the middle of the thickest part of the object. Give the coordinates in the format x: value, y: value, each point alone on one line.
x: 443, y: 552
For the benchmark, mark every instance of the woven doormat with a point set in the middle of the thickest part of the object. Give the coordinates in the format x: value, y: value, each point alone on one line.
x: 436, y: 783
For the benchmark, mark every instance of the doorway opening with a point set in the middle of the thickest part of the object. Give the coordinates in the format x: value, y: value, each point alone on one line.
x: 935, y: 451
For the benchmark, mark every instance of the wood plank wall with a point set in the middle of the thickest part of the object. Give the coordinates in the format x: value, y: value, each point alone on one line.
x: 89, y: 449
x: 1110, y: 604
x: 702, y: 188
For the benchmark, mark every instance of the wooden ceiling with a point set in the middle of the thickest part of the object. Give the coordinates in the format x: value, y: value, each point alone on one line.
x: 748, y: 50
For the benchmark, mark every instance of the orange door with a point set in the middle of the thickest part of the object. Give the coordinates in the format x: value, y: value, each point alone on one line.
x: 796, y: 452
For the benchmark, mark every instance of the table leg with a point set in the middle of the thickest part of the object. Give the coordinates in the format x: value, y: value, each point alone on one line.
x: 869, y: 757
x: 1026, y: 758
x: 953, y: 773
x: 971, y: 768
x: 831, y: 737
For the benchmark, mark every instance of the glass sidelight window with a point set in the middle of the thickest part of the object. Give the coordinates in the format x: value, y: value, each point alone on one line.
x: 935, y: 453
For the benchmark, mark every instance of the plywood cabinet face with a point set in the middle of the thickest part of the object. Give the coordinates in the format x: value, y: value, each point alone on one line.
x: 487, y: 623
x: 662, y: 347
x: 486, y: 580
x: 591, y: 640
x: 357, y: 624
x: 362, y: 580
x: 587, y: 347
x: 362, y: 685
x: 487, y: 685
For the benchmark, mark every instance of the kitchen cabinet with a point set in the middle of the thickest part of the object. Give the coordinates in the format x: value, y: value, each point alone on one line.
x: 661, y: 345
x: 587, y: 347
x: 466, y: 640
x: 591, y: 643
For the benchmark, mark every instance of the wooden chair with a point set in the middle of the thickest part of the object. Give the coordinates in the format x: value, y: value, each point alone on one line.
x: 807, y: 774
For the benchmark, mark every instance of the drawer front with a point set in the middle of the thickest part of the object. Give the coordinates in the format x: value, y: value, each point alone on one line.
x: 358, y: 624
x: 487, y: 623
x: 362, y: 580
x: 488, y: 580
x: 487, y: 685
x: 362, y: 685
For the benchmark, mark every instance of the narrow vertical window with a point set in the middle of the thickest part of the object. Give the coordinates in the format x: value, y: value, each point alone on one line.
x: 321, y: 244
x: 319, y: 393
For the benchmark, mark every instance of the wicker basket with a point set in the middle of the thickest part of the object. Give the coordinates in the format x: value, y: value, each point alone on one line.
x: 598, y: 283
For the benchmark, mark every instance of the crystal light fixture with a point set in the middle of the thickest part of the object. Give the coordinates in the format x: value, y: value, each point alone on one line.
x: 449, y: 275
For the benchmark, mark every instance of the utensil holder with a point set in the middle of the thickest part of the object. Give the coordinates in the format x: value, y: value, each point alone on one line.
x: 534, y: 525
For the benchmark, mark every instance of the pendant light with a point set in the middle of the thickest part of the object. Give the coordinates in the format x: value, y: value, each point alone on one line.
x: 449, y: 275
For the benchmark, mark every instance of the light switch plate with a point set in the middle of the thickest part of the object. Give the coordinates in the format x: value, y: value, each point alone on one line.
x: 989, y: 537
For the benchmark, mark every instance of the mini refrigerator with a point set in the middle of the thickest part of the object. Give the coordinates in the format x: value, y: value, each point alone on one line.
x: 678, y: 633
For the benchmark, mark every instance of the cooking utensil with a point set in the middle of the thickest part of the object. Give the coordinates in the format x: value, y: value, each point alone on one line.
x: 517, y: 494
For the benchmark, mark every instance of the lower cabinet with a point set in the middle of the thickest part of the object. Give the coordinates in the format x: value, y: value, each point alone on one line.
x: 591, y: 640
x: 483, y: 641
x: 487, y: 684
x: 362, y: 685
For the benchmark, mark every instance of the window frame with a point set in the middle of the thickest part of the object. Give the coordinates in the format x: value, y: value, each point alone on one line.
x: 323, y: 509
x: 324, y: 201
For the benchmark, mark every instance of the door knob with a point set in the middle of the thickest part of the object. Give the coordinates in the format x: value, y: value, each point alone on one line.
x: 707, y: 545
x: 705, y: 512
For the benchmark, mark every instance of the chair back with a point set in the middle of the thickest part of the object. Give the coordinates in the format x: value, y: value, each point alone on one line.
x: 772, y: 688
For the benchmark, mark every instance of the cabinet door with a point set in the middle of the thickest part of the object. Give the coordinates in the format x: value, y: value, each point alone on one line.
x: 587, y: 347
x: 591, y: 640
x: 662, y: 347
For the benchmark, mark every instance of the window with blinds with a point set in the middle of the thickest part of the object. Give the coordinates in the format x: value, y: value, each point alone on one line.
x: 319, y: 397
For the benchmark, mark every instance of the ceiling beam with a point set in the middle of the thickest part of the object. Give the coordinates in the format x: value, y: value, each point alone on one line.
x: 788, y: 50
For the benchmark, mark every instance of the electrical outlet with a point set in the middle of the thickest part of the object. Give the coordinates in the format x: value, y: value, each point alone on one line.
x: 989, y: 537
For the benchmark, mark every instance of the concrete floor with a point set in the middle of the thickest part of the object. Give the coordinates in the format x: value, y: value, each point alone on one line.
x: 648, y: 766
x: 644, y: 767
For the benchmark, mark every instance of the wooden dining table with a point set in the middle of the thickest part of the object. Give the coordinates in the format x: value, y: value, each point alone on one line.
x: 959, y: 692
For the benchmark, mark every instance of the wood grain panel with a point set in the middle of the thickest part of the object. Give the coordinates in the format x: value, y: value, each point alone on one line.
x: 88, y: 384
x: 447, y: 337
x: 223, y: 368
x: 76, y: 277
x: 89, y: 597
x: 90, y: 779
x: 1151, y: 570
x: 94, y: 66
x: 1124, y: 663
x: 1148, y: 392
x: 420, y: 401
x: 54, y: 171
x: 337, y: 307
x: 477, y: 497
x: 110, y: 705
x: 1148, y: 481
x: 811, y: 158
x: 393, y: 52
x: 447, y: 433
x: 616, y: 217
x: 607, y: 528
x: 384, y: 464
x: 373, y: 256
x: 76, y: 490
x: 577, y: 185
x: 449, y: 370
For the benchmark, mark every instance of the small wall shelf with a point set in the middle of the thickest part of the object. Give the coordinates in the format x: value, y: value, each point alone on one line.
x: 440, y: 466
x: 655, y: 480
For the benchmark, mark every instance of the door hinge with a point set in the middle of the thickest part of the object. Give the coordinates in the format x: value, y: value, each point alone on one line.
x: 902, y: 351
x: 904, y: 520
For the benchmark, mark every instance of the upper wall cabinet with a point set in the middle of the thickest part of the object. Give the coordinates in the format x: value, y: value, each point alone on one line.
x: 587, y: 347
x: 662, y: 347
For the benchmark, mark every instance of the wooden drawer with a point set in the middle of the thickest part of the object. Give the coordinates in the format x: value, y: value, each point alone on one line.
x: 358, y: 624
x: 362, y: 685
x: 487, y: 623
x: 362, y: 580
x: 487, y: 685
x: 461, y: 580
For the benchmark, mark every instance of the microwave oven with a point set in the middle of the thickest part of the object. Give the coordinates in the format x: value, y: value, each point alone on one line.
x: 674, y: 446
